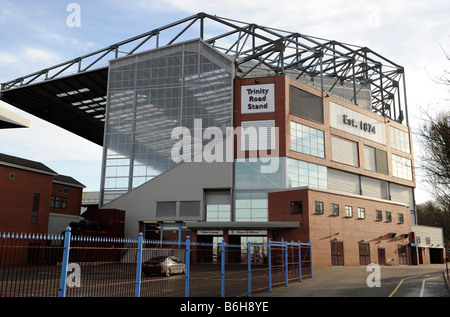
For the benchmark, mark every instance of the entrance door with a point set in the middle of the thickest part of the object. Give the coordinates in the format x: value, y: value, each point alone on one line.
x: 402, y: 256
x: 337, y: 253
x: 364, y: 254
x: 381, y: 256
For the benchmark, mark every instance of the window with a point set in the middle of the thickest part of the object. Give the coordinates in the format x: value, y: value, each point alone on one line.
x: 12, y: 176
x: 251, y: 206
x: 334, y: 209
x: 218, y: 213
x: 305, y: 105
x: 348, y: 211
x: 375, y: 160
x: 388, y: 216
x: 400, y: 140
x: 361, y: 213
x: 307, y: 140
x: 189, y: 208
x: 379, y: 215
x: 302, y: 173
x: 35, y: 210
x: 401, y: 167
x: 254, y: 137
x: 58, y: 202
x: 166, y: 209
x: 296, y: 207
x: 400, y: 218
x: 427, y: 240
x: 319, y: 207
x: 344, y: 151
x: 66, y: 190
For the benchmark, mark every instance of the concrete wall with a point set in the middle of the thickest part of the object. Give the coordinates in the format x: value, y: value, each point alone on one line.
x: 184, y: 182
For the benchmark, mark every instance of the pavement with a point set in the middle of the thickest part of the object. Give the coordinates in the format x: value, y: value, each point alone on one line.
x: 386, y: 281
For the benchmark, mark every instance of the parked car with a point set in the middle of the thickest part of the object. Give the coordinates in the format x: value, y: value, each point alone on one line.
x: 165, y: 265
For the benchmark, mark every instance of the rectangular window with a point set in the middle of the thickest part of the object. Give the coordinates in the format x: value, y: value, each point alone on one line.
x: 400, y: 218
x: 348, y: 211
x: 302, y: 173
x: 400, y: 140
x: 379, y: 215
x: 166, y: 209
x: 401, y: 167
x: 344, y: 151
x: 12, y: 176
x: 388, y: 216
x: 334, y: 209
x: 218, y: 213
x: 189, y: 208
x: 307, y: 140
x: 296, y: 207
x: 361, y: 213
x: 305, y: 105
x: 258, y: 135
x: 58, y: 202
x: 35, y: 210
x: 319, y: 207
x: 375, y: 160
x: 251, y: 206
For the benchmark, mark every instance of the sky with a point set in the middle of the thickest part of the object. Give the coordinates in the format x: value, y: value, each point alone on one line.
x: 36, y: 35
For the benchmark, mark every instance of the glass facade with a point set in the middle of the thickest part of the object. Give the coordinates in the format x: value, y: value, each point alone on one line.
x: 150, y: 94
x: 401, y: 167
x: 302, y: 173
x: 307, y: 140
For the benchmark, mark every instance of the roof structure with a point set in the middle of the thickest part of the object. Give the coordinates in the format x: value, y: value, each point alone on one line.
x: 21, y: 163
x: 72, y: 94
x: 10, y: 120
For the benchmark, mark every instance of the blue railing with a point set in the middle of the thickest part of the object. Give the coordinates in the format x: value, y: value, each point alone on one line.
x: 113, y: 266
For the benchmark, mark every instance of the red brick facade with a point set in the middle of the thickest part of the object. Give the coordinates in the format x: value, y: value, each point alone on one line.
x: 26, y: 196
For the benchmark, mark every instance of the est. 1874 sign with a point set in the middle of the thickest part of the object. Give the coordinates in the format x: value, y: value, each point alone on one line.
x: 258, y: 98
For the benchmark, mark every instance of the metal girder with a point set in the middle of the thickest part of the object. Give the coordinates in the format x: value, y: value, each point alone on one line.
x: 253, y: 46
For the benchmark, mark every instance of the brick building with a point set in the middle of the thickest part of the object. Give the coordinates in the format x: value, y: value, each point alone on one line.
x: 32, y: 195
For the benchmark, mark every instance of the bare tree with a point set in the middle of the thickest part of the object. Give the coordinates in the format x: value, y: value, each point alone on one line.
x: 434, y: 136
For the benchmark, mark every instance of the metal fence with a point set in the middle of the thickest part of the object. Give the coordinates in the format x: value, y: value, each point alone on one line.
x: 66, y: 265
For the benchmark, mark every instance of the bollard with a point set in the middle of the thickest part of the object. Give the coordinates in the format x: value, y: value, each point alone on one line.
x: 65, y: 263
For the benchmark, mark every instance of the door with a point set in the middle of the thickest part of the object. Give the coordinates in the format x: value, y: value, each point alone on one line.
x: 364, y: 254
x: 337, y: 253
x: 381, y: 256
x: 402, y: 255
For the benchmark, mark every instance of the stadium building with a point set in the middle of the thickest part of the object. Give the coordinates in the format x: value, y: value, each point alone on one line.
x: 218, y: 129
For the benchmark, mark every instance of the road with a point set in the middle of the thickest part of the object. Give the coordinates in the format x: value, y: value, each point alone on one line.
x: 400, y: 281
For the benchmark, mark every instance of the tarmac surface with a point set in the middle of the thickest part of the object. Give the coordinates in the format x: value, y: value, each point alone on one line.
x: 385, y: 281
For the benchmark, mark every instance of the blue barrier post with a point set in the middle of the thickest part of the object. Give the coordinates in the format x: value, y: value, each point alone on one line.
x: 65, y: 263
x: 249, y: 265
x: 310, y: 257
x: 188, y: 266
x: 287, y: 261
x: 299, y: 261
x: 139, y: 265
x: 222, y: 268
x: 270, y: 266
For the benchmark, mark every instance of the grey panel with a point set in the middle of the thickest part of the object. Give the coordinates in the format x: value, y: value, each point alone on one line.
x: 166, y: 209
x: 306, y: 105
x: 189, y: 208
x: 373, y: 187
x: 403, y: 194
x: 343, y: 181
x: 217, y: 197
